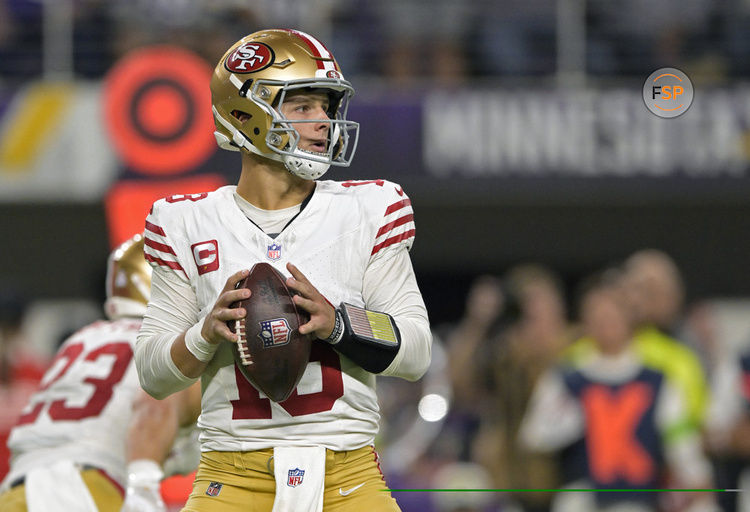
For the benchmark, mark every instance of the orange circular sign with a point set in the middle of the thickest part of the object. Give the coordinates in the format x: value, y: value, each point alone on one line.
x: 157, y: 107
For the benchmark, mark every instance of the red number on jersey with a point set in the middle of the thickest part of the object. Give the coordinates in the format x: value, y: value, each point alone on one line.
x: 250, y: 406
x: 186, y: 197
x: 102, y: 386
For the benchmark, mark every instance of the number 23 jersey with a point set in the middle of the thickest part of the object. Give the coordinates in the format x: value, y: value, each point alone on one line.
x: 82, y: 408
x: 345, y: 227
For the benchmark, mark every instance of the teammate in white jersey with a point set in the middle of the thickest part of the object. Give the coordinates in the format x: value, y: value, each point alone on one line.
x: 89, y: 418
x: 279, y: 98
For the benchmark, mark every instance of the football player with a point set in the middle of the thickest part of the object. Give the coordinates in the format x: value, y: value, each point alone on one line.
x: 280, y: 99
x: 89, y: 431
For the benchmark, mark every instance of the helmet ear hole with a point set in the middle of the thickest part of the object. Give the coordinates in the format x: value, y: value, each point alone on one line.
x: 241, y: 116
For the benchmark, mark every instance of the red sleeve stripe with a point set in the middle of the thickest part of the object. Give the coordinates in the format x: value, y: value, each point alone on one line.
x: 158, y: 246
x: 397, y: 206
x: 164, y: 263
x: 155, y: 229
x: 393, y: 240
x: 398, y: 222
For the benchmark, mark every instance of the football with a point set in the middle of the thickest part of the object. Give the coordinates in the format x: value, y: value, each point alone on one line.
x: 271, y: 353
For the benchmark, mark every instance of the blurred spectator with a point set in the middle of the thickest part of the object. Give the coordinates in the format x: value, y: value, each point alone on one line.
x: 655, y: 290
x: 618, y: 423
x: 534, y: 339
x: 699, y: 330
x: 20, y: 368
x: 424, y: 40
x: 470, y: 346
x: 468, y: 340
x: 728, y: 429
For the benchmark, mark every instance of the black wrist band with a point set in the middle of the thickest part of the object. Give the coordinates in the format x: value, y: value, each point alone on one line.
x: 338, y: 330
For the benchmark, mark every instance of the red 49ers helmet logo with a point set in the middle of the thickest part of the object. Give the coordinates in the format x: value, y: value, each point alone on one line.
x: 249, y: 58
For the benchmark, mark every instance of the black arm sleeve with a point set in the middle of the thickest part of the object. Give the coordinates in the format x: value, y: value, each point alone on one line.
x: 370, y: 339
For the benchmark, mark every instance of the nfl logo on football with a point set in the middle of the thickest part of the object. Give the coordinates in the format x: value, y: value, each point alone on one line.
x: 274, y: 251
x: 295, y: 477
x: 274, y: 332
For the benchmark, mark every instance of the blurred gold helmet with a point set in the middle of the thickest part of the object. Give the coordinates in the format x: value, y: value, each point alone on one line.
x: 128, y: 282
x: 254, y: 77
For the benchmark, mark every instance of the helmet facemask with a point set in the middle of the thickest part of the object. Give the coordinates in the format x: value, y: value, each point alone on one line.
x: 282, y: 138
x: 342, y: 135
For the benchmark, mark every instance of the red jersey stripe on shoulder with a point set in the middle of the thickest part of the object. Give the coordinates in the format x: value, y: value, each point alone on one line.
x: 398, y: 222
x: 164, y: 263
x: 393, y: 240
x: 397, y: 206
x: 155, y: 229
x: 158, y: 246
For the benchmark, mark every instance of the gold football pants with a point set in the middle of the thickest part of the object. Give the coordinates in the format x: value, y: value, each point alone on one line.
x: 107, y: 496
x: 244, y: 482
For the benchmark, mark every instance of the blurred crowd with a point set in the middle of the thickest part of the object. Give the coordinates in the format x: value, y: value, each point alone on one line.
x: 400, y: 41
x: 614, y: 384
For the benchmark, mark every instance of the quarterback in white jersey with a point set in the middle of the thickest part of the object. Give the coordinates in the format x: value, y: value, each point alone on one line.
x: 69, y: 447
x: 279, y: 98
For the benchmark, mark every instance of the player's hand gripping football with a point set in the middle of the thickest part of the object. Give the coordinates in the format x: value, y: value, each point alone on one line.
x: 215, y: 328
x: 322, y: 313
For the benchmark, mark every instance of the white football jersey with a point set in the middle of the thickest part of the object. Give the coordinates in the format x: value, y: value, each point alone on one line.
x: 82, y: 409
x: 204, y: 238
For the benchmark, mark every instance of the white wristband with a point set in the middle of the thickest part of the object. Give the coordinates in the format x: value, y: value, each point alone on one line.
x: 200, y: 348
x: 144, y: 472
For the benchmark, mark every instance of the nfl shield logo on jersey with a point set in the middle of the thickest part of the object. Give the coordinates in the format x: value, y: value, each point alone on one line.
x: 274, y: 332
x: 274, y: 251
x: 214, y: 488
x: 295, y: 477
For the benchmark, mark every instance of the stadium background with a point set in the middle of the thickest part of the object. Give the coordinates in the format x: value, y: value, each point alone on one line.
x: 517, y: 128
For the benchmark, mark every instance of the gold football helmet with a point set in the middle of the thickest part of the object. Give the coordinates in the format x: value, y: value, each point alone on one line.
x: 255, y: 75
x: 128, y: 280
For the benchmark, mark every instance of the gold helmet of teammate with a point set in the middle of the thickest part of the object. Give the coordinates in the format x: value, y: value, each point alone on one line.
x: 128, y: 282
x: 254, y: 77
